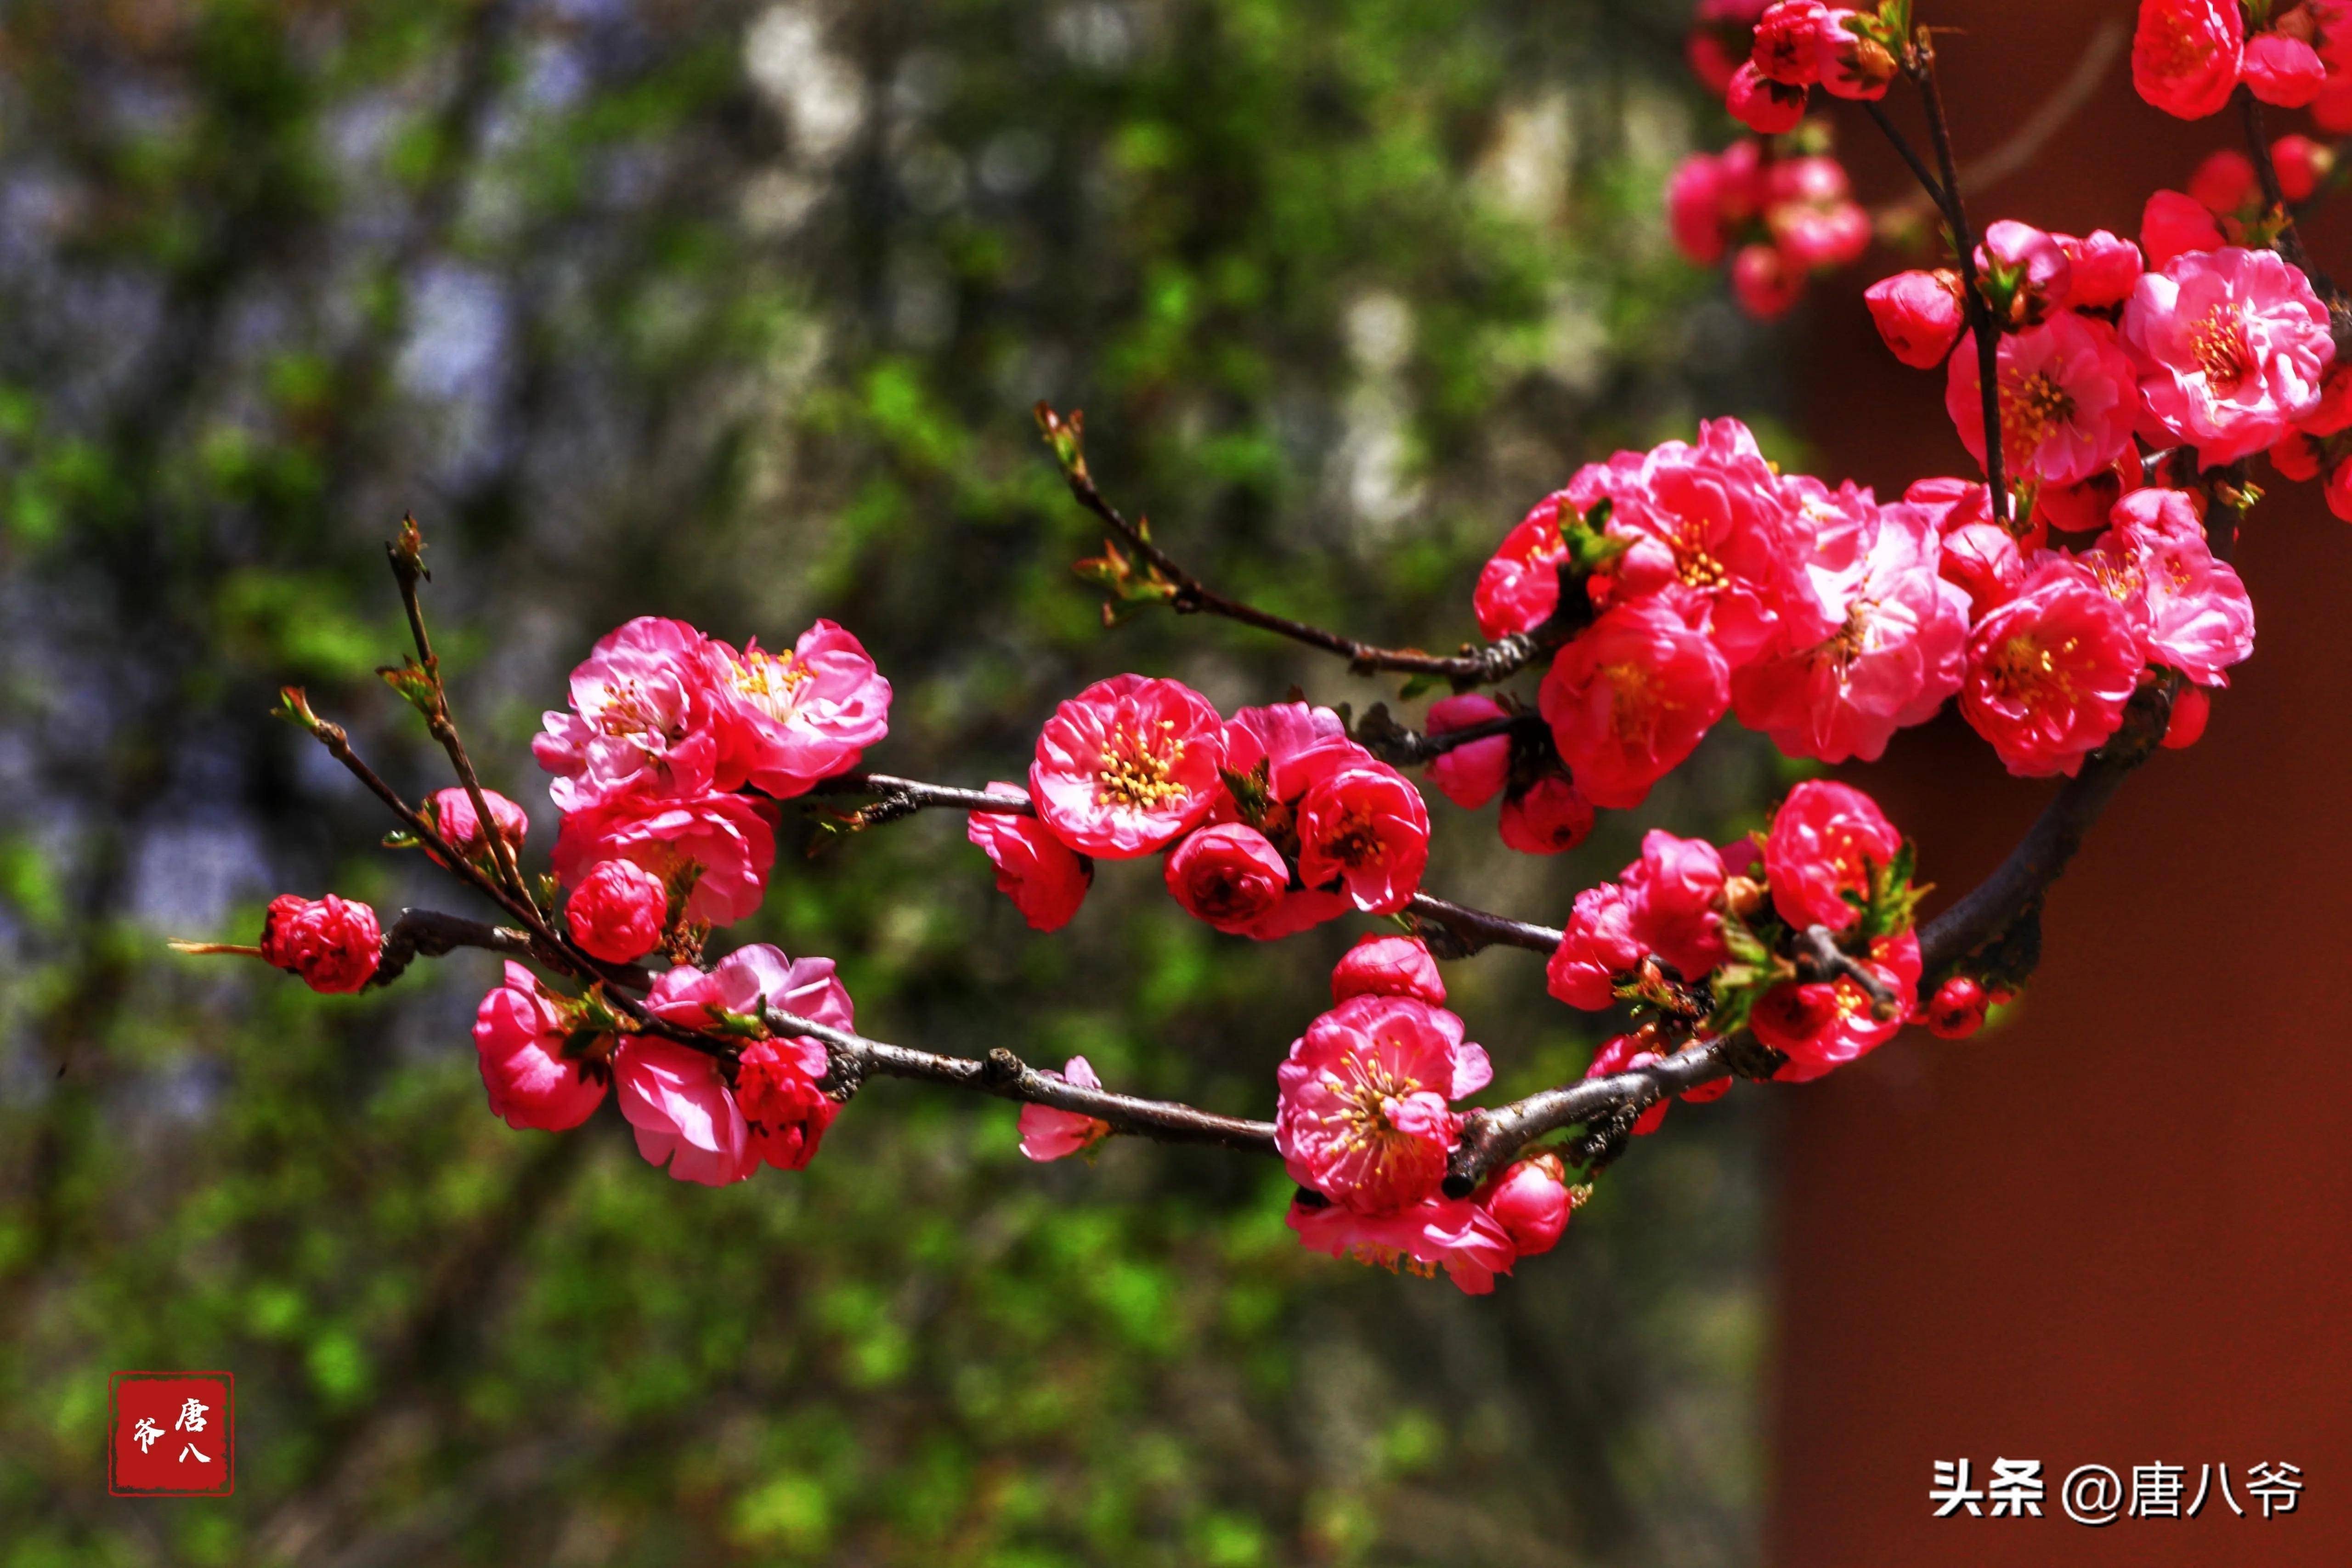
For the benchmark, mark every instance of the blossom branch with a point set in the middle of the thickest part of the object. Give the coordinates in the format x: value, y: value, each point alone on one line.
x: 897, y: 797
x: 1818, y: 958
x: 1172, y: 585
x: 1469, y: 930
x: 1491, y: 1138
x: 2289, y: 238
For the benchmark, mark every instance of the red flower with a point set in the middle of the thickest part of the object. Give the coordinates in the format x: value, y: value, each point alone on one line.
x: 1600, y: 945
x: 788, y: 719
x: 2186, y: 53
x: 452, y: 811
x: 1389, y: 966
x: 1366, y: 825
x: 1957, y: 1009
x: 1624, y: 1055
x: 2049, y: 671
x: 1453, y: 1234
x: 332, y: 943
x: 1787, y: 42
x: 1518, y: 588
x: 1631, y: 698
x: 2172, y: 224
x: 1363, y: 1118
x: 2282, y: 70
x: 1126, y: 765
x: 1765, y: 281
x: 519, y: 1037
x: 1825, y: 839
x: 1528, y: 1198
x: 2066, y: 400
x: 1045, y: 879
x: 2104, y: 268
x: 1822, y: 1026
x: 617, y: 911
x: 1227, y: 875
x: 1768, y: 108
x: 1676, y: 889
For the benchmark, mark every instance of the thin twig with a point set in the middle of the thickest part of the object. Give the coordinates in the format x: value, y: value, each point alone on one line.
x: 1187, y: 595
x: 1818, y: 958
x: 1920, y: 66
x: 2289, y: 239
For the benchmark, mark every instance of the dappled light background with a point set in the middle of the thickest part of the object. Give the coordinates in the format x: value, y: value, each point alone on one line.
x: 735, y: 311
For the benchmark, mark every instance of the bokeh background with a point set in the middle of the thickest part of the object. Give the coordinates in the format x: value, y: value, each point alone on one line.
x: 733, y: 309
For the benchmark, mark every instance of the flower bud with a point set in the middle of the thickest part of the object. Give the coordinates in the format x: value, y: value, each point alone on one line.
x: 1695, y: 209
x: 1918, y: 315
x: 2106, y: 268
x: 2302, y: 164
x: 332, y: 943
x: 2025, y: 272
x: 1743, y: 897
x: 1471, y: 775
x: 1227, y: 875
x: 1529, y: 1200
x: 1388, y: 966
x: 2338, y: 489
x: 619, y: 910
x: 1763, y: 281
x: 1766, y: 107
x: 1957, y: 1009
x: 2282, y: 70
x: 1852, y: 64
x: 2225, y: 182
x: 452, y: 811
x: 1547, y: 818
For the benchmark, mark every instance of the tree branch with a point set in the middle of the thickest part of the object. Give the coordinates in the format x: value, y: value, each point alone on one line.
x: 1187, y: 595
x: 2289, y: 239
x: 1919, y: 63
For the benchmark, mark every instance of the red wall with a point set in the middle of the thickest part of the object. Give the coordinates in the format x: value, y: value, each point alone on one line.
x: 2119, y: 1229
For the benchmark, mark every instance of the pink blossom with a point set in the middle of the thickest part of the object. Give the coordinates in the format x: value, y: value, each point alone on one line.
x: 2189, y: 611
x: 726, y: 842
x: 1631, y: 697
x: 1126, y: 765
x: 1695, y: 209
x: 2066, y: 403
x: 1676, y: 891
x: 1599, y: 946
x: 1298, y: 746
x: 2049, y: 672
x: 1453, y: 1234
x: 1811, y: 238
x: 1472, y: 773
x: 1389, y: 966
x: 518, y: 1037
x: 1853, y: 65
x: 1624, y: 1054
x: 1045, y: 879
x: 788, y: 719
x: 1366, y: 826
x: 1528, y: 1198
x: 1227, y: 875
x: 2231, y: 347
x: 1709, y: 518
x: 1917, y: 314
x: 1550, y: 817
x: 1826, y: 839
x: 2185, y: 55
x: 748, y: 981
x: 1952, y: 504
x: 2173, y: 224
x: 2282, y: 70
x: 1788, y: 41
x: 641, y: 719
x: 1870, y: 640
x: 1765, y: 281
x: 1050, y: 1134
x: 2034, y: 265
x: 1518, y: 588
x: 1822, y: 1026
x: 681, y: 1111
x: 1363, y: 1116
x: 452, y: 811
x: 2104, y: 268
x: 332, y: 943
x: 617, y: 911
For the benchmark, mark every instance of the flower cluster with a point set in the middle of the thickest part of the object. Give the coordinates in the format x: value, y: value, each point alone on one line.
x: 2188, y: 56
x: 1268, y: 823
x: 1780, y: 218
x: 1366, y: 1126
x: 1802, y: 44
x: 1708, y: 934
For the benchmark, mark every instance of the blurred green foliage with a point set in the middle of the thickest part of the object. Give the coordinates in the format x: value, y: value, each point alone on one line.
x: 734, y: 311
